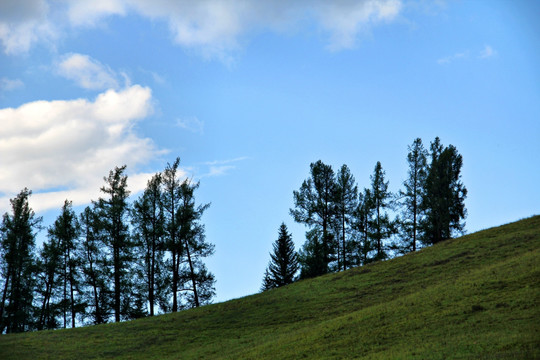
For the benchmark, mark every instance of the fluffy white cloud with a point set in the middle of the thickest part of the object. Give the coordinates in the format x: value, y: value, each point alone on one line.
x: 87, y: 72
x: 213, y: 27
x: 62, y: 149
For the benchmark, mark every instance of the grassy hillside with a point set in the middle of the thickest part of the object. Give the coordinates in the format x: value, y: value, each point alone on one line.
x: 476, y: 297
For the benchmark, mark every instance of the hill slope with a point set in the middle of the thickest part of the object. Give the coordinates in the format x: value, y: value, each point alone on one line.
x: 473, y: 297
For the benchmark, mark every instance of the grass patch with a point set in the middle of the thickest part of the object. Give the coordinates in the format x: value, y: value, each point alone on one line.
x: 476, y: 297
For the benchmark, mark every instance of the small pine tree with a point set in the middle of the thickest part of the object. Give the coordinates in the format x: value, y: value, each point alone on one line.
x: 283, y: 264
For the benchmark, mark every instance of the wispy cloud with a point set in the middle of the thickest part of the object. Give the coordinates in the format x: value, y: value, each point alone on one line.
x: 192, y: 124
x: 10, y: 84
x: 222, y: 167
x: 487, y: 52
x: 86, y: 72
x: 454, y: 57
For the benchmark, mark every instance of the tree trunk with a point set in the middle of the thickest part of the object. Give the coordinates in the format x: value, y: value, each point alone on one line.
x: 192, y: 273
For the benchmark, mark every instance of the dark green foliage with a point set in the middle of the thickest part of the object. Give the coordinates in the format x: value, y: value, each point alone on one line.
x: 380, y: 224
x: 283, y: 264
x: 113, y: 211
x: 411, y: 196
x: 66, y: 231
x: 311, y: 255
x: 346, y: 203
x: 148, y: 219
x: 18, y: 266
x: 314, y: 207
x: 185, y: 241
x: 362, y: 229
x: 59, y: 280
x: 172, y: 198
x: 48, y: 281
x: 95, y: 269
x: 195, y: 282
x: 444, y: 194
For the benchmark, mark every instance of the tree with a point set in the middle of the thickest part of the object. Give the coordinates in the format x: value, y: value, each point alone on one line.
x: 197, y: 283
x: 311, y: 255
x: 65, y: 232
x: 283, y: 261
x: 95, y: 268
x: 18, y: 265
x: 381, y: 224
x: 444, y: 195
x: 314, y: 207
x: 148, y: 219
x: 362, y: 227
x: 171, y: 202
x: 48, y: 281
x: 112, y: 212
x: 411, y: 196
x: 346, y: 202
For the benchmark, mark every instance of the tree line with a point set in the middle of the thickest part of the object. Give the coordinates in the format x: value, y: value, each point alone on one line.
x: 348, y: 227
x: 114, y: 261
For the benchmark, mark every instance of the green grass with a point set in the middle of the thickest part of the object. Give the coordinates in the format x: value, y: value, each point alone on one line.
x: 476, y: 297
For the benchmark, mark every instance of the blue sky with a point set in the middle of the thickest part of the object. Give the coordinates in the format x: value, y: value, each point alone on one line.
x: 249, y: 93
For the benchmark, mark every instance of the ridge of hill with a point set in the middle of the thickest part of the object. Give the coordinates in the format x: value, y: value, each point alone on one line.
x: 474, y: 297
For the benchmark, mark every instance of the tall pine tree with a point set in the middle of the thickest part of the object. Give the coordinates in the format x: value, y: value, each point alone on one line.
x: 444, y: 195
x: 381, y: 224
x: 113, y: 211
x: 148, y: 220
x: 283, y: 264
x: 197, y: 283
x: 346, y: 203
x: 411, y: 196
x: 18, y: 266
x: 315, y: 207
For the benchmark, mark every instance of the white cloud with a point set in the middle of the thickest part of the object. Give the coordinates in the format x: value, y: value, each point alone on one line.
x: 192, y: 124
x: 452, y: 58
x: 215, y: 28
x: 10, y: 84
x: 87, y: 72
x: 221, y: 167
x: 487, y: 52
x: 62, y: 149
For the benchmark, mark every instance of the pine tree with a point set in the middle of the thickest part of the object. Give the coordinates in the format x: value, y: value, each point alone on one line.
x: 65, y: 231
x: 113, y: 211
x: 148, y: 219
x: 267, y: 284
x: 95, y: 268
x: 346, y: 203
x: 311, y: 255
x: 362, y: 227
x: 283, y: 264
x: 444, y: 195
x: 171, y: 201
x: 315, y: 207
x: 18, y: 265
x: 411, y: 196
x: 197, y: 283
x: 48, y: 284
x: 381, y: 224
